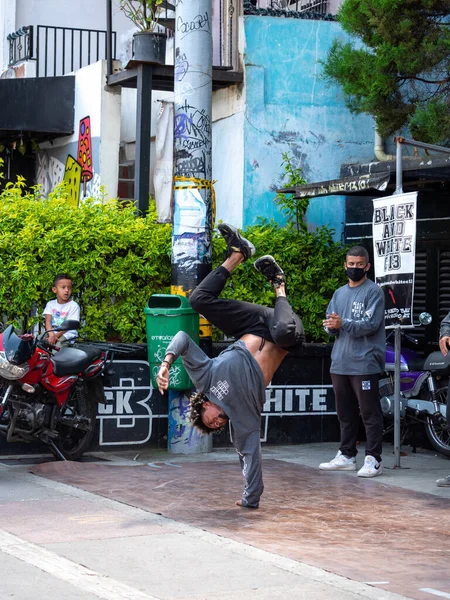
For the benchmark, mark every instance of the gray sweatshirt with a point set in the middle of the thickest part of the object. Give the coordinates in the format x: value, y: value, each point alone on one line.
x: 234, y: 381
x: 445, y: 326
x: 360, y: 344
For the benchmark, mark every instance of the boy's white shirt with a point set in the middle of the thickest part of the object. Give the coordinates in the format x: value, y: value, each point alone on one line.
x: 68, y: 311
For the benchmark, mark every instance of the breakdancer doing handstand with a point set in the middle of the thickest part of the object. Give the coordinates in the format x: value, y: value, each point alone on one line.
x: 231, y: 387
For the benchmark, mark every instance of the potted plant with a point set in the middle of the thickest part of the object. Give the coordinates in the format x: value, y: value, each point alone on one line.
x: 149, y: 43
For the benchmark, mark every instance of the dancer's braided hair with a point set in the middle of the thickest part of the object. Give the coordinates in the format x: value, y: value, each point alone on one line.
x: 196, y: 402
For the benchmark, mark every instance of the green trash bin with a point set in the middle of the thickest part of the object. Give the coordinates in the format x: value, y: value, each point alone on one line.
x: 165, y: 316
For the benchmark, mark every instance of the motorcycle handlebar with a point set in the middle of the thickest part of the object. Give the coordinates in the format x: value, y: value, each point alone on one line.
x: 412, y: 339
x: 45, y: 345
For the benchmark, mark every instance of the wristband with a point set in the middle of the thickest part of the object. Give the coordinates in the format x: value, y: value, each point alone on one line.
x: 167, y: 363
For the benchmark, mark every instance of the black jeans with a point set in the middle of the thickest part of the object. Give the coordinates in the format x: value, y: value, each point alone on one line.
x: 357, y: 394
x: 236, y: 318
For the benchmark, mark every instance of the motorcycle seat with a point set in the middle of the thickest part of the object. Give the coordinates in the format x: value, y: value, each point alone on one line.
x: 69, y: 361
x: 415, y: 363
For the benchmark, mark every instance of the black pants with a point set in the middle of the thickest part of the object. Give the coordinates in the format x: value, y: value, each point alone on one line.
x: 236, y: 318
x: 357, y: 394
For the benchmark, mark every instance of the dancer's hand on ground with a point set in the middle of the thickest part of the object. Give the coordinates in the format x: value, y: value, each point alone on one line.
x: 444, y: 344
x: 162, y: 379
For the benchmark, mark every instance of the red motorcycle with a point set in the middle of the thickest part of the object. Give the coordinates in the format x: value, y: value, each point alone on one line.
x: 50, y: 394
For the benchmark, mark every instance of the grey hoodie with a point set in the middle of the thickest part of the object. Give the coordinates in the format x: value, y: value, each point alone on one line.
x: 234, y: 381
x: 360, y: 344
x: 445, y: 326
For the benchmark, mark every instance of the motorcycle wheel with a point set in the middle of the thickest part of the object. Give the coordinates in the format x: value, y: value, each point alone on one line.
x: 439, y: 433
x: 74, y: 441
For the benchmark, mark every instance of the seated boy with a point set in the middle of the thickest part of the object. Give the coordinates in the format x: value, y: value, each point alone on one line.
x: 61, y: 309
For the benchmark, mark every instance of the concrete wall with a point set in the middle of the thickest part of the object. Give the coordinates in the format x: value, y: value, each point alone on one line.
x: 289, y: 108
x: 84, y: 14
x: 228, y: 153
x: 102, y: 106
x: 7, y: 25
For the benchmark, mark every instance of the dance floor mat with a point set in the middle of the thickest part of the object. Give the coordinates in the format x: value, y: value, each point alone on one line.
x: 362, y: 529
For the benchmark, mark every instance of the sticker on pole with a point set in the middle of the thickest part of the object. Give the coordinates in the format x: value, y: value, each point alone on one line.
x: 394, y: 245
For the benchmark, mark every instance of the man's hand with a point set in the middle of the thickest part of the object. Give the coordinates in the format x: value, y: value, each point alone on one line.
x: 332, y: 321
x: 162, y: 379
x: 444, y: 344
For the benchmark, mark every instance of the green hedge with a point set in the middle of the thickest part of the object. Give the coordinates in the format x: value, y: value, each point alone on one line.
x: 313, y: 264
x: 117, y: 260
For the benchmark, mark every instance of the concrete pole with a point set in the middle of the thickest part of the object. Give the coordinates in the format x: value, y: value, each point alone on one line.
x: 193, y: 193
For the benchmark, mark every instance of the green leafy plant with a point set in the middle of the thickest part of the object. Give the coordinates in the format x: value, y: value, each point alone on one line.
x: 118, y: 260
x: 396, y: 67
x: 142, y: 13
x: 312, y: 262
x: 294, y: 208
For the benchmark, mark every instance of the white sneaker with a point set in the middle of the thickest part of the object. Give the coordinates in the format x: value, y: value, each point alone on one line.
x: 371, y: 468
x: 445, y: 482
x: 339, y: 463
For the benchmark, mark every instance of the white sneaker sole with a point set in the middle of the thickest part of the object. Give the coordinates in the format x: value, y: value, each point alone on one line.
x: 322, y: 467
x: 371, y: 474
x: 443, y: 482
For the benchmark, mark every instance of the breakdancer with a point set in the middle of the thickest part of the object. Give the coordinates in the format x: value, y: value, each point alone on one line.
x: 231, y: 387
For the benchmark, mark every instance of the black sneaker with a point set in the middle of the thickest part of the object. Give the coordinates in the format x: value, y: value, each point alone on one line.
x: 235, y: 241
x: 271, y: 271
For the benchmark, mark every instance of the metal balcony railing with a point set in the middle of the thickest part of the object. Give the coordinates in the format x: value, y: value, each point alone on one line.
x: 285, y: 8
x: 58, y: 50
x: 61, y: 50
x: 20, y: 45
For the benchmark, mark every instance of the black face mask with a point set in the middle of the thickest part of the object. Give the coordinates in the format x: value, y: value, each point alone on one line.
x: 355, y: 273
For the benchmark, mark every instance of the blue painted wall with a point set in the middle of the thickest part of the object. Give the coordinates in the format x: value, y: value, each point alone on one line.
x: 290, y: 108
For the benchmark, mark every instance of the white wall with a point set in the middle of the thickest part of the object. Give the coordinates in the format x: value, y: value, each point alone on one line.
x: 333, y: 6
x: 85, y: 14
x: 228, y: 154
x: 102, y: 105
x: 7, y: 26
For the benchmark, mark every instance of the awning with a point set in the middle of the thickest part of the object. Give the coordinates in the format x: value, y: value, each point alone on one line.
x: 426, y: 174
x: 40, y: 108
x: 341, y: 187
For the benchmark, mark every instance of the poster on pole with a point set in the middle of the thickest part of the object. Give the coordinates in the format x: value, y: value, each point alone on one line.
x: 394, y: 246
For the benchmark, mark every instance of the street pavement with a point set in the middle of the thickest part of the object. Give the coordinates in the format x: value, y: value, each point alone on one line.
x: 60, y: 540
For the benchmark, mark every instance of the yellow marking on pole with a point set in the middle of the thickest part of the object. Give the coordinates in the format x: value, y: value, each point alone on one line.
x: 199, y: 184
x: 178, y: 290
x: 205, y: 328
x: 204, y: 325
x: 193, y: 183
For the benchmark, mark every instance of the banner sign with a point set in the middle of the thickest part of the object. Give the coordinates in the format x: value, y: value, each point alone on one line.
x: 394, y: 246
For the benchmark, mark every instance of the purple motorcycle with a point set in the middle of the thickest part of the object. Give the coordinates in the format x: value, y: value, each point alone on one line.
x: 423, y: 394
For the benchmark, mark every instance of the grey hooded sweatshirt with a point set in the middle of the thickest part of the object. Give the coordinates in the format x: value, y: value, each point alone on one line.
x: 360, y: 344
x: 234, y: 381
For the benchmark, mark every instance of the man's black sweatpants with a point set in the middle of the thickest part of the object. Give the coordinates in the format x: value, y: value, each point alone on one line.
x: 236, y: 317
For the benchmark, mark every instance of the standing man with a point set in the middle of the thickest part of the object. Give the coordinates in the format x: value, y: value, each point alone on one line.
x: 355, y: 316
x: 231, y: 387
x: 444, y: 344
